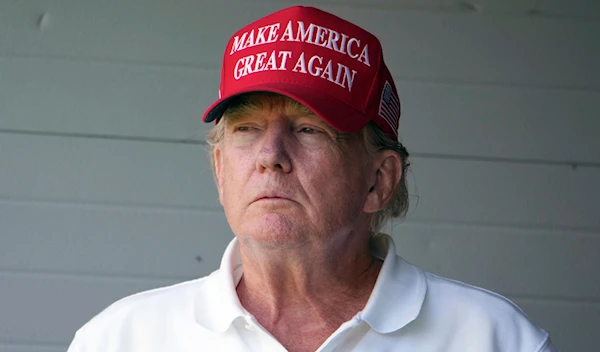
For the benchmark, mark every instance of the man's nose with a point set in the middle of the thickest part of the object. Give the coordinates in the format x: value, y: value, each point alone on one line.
x: 273, y: 154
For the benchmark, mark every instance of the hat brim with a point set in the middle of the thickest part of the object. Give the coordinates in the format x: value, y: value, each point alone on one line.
x: 335, y: 113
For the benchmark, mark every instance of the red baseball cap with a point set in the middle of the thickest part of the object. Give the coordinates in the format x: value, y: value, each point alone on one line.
x: 328, y: 64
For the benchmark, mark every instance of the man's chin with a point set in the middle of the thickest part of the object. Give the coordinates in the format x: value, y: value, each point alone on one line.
x: 273, y: 235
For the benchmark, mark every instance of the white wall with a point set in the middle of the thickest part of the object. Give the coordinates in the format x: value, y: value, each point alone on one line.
x: 104, y: 191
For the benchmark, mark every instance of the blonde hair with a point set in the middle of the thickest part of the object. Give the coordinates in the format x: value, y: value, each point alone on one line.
x: 373, y: 137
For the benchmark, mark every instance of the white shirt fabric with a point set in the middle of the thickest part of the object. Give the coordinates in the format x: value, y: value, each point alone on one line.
x: 408, y: 310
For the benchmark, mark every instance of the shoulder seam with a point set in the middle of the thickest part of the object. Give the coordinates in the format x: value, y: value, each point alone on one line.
x: 479, y: 289
x: 544, y: 343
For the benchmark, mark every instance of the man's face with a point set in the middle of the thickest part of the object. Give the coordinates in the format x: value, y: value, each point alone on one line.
x: 285, y: 178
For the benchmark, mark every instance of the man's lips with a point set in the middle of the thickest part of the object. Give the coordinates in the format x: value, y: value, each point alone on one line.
x: 271, y: 197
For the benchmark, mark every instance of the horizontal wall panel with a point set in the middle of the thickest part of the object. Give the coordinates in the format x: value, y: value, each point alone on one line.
x: 426, y: 45
x: 49, y: 310
x: 483, y: 192
x: 30, y: 348
x: 500, y: 122
x: 99, y: 98
x: 424, y: 5
x: 579, y: 9
x: 111, y: 241
x: 106, y: 171
x: 159, y: 243
x: 585, y: 9
x: 165, y: 102
x: 178, y: 175
x: 572, y: 326
x: 517, y: 261
x: 38, y: 309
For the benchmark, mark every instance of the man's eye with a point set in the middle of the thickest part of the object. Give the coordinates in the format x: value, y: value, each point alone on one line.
x: 241, y: 128
x: 308, y: 130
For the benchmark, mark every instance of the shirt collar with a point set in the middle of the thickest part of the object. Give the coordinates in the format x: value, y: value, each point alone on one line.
x: 399, y: 292
x: 217, y: 304
x: 396, y: 299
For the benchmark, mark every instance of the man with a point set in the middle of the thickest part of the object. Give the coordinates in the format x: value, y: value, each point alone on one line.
x: 308, y: 168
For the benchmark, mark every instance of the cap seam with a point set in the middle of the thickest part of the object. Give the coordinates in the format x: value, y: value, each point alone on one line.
x: 376, y: 77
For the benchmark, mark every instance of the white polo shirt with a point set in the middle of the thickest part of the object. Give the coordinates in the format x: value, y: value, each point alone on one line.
x: 409, y: 310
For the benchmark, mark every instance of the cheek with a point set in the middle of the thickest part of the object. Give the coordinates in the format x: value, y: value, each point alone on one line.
x: 330, y: 181
x: 341, y: 168
x: 236, y: 172
x: 340, y: 182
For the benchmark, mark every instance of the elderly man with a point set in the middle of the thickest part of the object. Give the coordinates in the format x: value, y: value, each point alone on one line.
x: 308, y: 168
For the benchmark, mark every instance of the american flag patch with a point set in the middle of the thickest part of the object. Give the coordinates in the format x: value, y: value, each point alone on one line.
x: 389, y: 107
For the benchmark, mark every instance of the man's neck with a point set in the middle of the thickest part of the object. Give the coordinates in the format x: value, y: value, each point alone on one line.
x: 304, y: 295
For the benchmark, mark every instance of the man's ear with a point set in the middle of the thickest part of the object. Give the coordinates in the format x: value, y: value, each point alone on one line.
x: 387, y: 172
x: 218, y: 165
